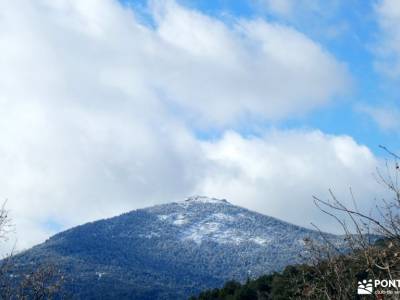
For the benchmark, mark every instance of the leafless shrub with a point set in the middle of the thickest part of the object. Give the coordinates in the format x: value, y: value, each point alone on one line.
x: 21, y: 283
x: 372, y: 242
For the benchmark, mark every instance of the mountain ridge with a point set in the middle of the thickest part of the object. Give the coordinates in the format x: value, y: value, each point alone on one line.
x: 171, y: 250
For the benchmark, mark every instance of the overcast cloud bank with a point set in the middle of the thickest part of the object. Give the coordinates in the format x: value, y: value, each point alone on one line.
x: 99, y: 113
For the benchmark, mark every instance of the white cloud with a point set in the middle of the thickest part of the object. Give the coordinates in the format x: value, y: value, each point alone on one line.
x: 388, y: 48
x: 95, y: 106
x: 253, y: 68
x: 278, y: 174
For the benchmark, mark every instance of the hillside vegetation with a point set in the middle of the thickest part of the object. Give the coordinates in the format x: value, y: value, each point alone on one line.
x: 169, y: 251
x: 334, y: 278
x: 329, y: 272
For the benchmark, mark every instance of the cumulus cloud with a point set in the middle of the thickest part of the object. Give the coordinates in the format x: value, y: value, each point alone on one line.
x: 278, y: 173
x: 97, y: 109
x: 252, y: 68
x: 388, y: 48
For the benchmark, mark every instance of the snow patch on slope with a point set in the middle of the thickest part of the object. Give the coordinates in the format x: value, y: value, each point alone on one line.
x: 180, y: 220
x: 176, y: 219
x: 200, y: 219
x: 259, y: 240
x: 223, y: 217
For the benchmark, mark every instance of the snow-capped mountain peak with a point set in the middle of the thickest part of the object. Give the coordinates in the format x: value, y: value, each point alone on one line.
x: 201, y: 220
x: 179, y: 247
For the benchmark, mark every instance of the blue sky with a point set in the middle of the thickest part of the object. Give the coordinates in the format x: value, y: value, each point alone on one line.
x: 354, y: 46
x: 347, y: 29
x: 108, y: 106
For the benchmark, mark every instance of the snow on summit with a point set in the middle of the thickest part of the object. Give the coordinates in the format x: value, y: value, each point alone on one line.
x: 202, y: 219
x: 204, y: 199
